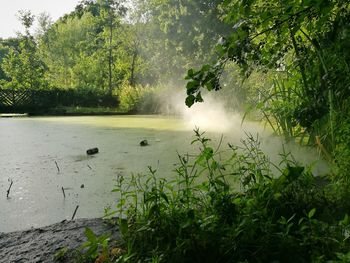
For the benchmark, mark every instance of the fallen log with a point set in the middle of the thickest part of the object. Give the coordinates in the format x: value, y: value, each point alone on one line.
x: 92, y: 151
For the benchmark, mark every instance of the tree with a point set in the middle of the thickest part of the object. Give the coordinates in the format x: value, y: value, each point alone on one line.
x: 67, y: 43
x: 4, y: 51
x: 308, y: 40
x: 23, y: 67
x: 108, y: 13
x: 178, y: 34
x: 44, y: 24
x: 86, y: 48
x: 110, y: 17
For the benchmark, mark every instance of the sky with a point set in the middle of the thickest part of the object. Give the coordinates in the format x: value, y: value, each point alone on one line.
x: 9, y: 23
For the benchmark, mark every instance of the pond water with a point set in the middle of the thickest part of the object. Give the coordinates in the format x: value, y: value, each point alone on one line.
x: 31, y: 148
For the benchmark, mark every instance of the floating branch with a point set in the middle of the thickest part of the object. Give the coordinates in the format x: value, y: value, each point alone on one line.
x: 64, y: 194
x: 8, y: 190
x: 75, y: 211
x: 58, y: 168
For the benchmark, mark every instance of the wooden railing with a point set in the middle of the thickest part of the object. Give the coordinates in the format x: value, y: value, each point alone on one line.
x: 19, y: 101
x: 15, y: 98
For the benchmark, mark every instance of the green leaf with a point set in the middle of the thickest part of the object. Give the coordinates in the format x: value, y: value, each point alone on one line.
x: 345, y: 221
x: 277, y: 196
x: 123, y: 225
x: 209, y: 85
x: 199, y: 97
x: 220, y: 183
x: 190, y: 100
x: 208, y: 153
x: 311, y: 213
x: 192, y: 86
x: 92, y: 251
x: 214, y: 165
x: 190, y: 73
x: 206, y: 67
x: 90, y: 235
x: 293, y: 173
x: 186, y: 224
x: 163, y: 195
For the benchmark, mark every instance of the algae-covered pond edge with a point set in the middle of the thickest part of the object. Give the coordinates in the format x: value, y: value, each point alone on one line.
x: 36, y: 197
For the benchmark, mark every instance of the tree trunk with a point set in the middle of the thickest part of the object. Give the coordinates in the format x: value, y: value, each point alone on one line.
x: 110, y: 53
x: 110, y: 60
x: 132, y: 69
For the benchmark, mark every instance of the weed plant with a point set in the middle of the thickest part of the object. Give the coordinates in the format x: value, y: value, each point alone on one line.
x: 294, y: 217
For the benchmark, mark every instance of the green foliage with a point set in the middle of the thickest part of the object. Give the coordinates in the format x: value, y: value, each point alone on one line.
x: 130, y: 97
x: 177, y: 35
x: 90, y: 48
x: 3, y: 53
x: 201, y: 217
x: 22, y: 66
x: 277, y: 105
x: 342, y: 136
x: 97, y: 47
x: 139, y: 99
x: 306, y: 43
x: 24, y: 69
x: 95, y: 245
x: 60, y: 255
x: 68, y: 52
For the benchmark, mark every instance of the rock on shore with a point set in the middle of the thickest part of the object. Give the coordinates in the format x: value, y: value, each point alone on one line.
x: 41, y: 244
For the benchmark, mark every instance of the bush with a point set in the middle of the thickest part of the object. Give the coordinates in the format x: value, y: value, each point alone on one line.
x: 342, y: 135
x: 129, y: 97
x: 84, y: 98
x: 292, y: 218
x: 138, y: 99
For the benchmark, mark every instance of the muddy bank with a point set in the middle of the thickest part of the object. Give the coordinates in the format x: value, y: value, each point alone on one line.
x: 41, y: 244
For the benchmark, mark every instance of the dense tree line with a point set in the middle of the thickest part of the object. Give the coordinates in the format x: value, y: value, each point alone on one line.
x: 102, y: 45
x: 293, y: 58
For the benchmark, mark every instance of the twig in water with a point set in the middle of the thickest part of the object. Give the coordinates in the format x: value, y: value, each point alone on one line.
x: 89, y: 167
x: 64, y: 194
x: 75, y: 211
x: 58, y: 168
x: 8, y: 190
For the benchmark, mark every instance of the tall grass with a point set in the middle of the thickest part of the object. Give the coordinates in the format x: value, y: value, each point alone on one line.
x: 277, y: 106
x: 201, y: 217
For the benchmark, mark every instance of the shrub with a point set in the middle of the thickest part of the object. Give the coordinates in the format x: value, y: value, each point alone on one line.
x: 291, y: 218
x: 138, y: 99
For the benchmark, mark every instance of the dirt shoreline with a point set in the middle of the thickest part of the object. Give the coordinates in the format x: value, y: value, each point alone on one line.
x: 41, y: 244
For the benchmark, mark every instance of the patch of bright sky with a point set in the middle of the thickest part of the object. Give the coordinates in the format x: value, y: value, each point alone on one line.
x: 9, y: 23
